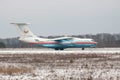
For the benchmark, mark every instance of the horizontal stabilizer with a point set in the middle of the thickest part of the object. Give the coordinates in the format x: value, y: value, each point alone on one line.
x: 20, y: 23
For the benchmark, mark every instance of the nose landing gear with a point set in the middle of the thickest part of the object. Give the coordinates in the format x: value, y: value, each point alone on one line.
x: 83, y: 48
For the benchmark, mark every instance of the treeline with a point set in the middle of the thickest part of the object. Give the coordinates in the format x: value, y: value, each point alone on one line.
x: 103, y: 39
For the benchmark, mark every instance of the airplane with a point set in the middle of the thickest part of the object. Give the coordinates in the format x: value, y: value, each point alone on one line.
x: 57, y: 43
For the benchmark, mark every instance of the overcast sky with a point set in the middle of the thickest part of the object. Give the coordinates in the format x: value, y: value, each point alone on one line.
x: 60, y: 17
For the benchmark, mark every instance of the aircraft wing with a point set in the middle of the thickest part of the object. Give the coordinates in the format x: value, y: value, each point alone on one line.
x: 63, y: 39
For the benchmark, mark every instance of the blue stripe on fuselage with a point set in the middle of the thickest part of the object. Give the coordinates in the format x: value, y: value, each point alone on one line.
x: 67, y: 45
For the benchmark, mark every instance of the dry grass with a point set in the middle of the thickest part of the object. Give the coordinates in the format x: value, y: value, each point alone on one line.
x: 10, y: 70
x: 61, y: 66
x: 42, y: 58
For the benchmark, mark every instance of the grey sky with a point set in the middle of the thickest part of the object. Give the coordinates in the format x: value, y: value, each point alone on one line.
x: 60, y: 17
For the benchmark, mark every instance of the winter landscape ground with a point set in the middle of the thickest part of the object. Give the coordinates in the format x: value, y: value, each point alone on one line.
x: 71, y: 64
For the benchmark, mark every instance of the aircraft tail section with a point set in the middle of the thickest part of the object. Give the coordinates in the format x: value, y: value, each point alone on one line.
x: 24, y: 30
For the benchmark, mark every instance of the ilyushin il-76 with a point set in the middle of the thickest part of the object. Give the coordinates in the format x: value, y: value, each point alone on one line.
x: 57, y: 43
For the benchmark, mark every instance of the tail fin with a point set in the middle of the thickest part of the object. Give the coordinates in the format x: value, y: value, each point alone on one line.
x: 24, y: 30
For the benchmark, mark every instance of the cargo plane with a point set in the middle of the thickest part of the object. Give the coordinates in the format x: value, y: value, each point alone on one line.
x: 57, y: 43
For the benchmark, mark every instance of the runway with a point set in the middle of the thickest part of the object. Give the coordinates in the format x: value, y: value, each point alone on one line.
x: 66, y: 51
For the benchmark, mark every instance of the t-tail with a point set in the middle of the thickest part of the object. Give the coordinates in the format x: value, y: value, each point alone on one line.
x: 25, y: 33
x: 24, y: 30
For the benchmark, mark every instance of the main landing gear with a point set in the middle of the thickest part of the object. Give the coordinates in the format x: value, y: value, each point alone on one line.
x: 63, y: 48
x: 59, y: 48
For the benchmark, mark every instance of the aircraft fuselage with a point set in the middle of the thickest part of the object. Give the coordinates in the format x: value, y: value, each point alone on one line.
x: 62, y: 44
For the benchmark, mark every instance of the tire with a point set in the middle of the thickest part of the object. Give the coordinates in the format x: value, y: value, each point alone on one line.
x: 61, y: 48
x: 83, y: 48
x: 56, y: 48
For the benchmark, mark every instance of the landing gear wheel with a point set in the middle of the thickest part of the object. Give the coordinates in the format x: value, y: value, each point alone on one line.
x: 83, y: 48
x: 61, y: 48
x: 56, y: 48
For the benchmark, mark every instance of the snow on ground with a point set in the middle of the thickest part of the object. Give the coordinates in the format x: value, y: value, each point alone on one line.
x: 66, y: 74
x: 74, y: 50
x: 73, y: 64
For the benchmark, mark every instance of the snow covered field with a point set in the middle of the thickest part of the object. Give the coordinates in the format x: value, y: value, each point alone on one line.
x: 71, y: 64
x: 66, y: 51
